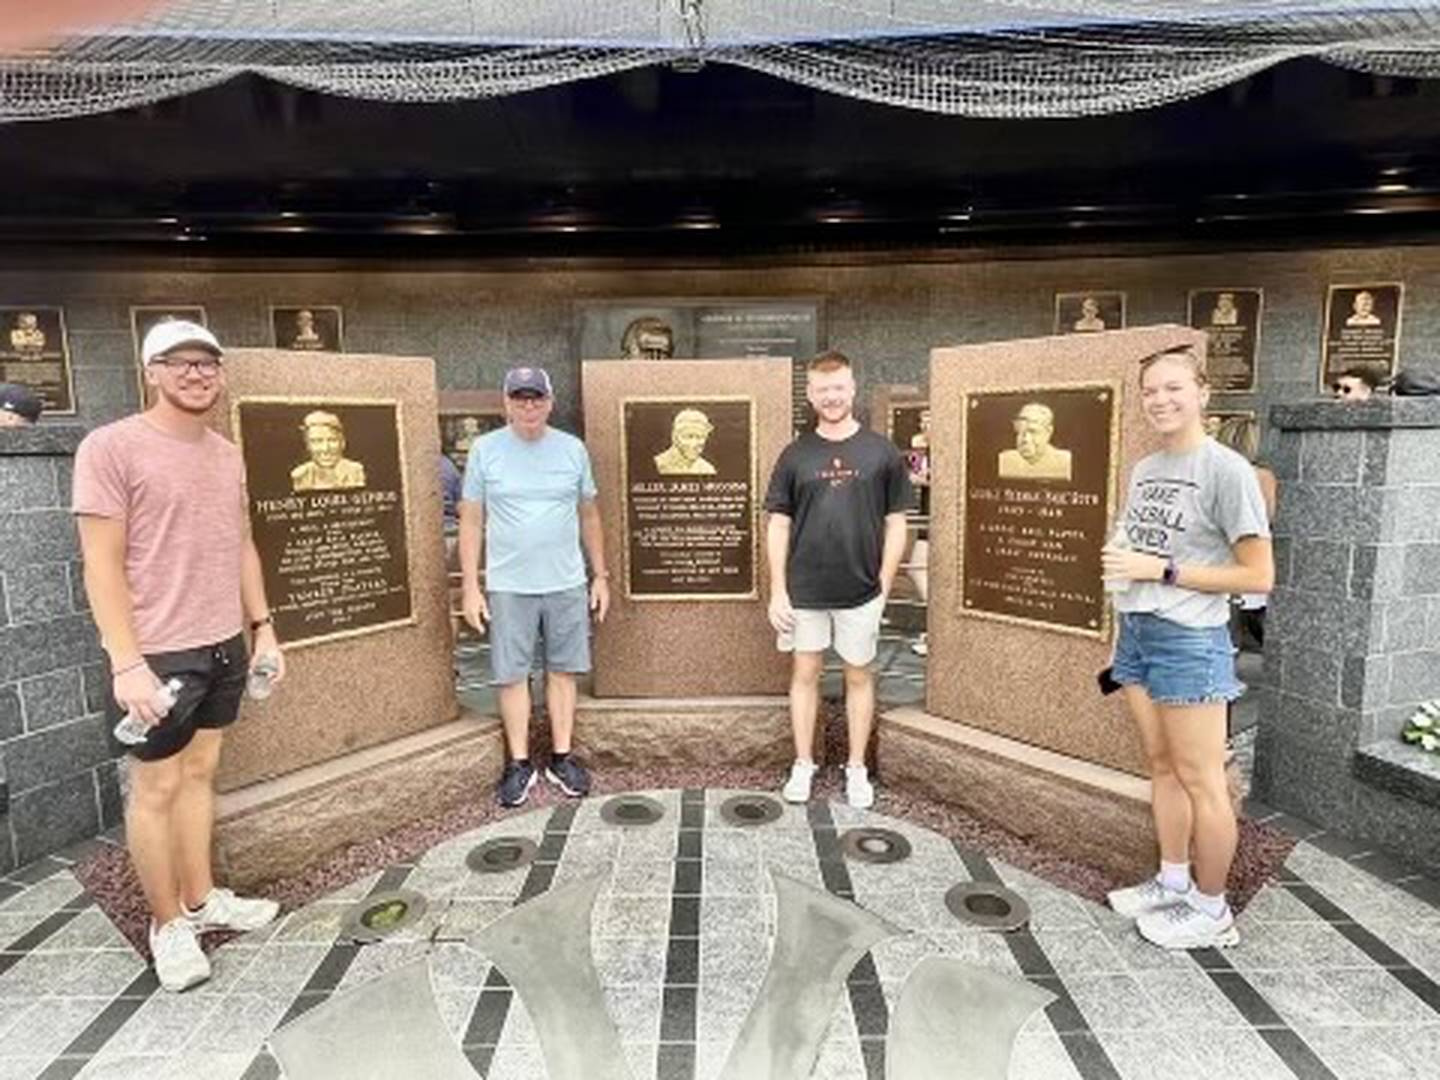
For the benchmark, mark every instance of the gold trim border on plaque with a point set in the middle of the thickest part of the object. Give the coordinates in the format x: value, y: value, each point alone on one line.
x: 1259, y: 322
x: 339, y: 325
x: 1112, y: 483
x: 135, y: 340
x: 1325, y: 325
x: 308, y: 399
x: 657, y: 399
x: 67, y: 361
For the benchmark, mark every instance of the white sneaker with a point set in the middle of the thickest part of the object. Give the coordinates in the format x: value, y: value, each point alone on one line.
x: 179, y: 961
x: 1184, y: 926
x: 920, y: 646
x: 223, y: 910
x: 859, y: 792
x: 1137, y: 900
x: 797, y: 788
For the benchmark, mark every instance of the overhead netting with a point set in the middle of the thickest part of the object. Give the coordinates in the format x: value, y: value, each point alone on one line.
x: 984, y: 58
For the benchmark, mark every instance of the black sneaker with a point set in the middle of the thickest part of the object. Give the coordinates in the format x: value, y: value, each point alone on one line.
x: 570, y: 776
x: 515, y: 783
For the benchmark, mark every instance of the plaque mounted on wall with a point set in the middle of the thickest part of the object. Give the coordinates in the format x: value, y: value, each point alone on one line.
x: 1039, y: 470
x: 465, y: 415
x: 706, y: 329
x: 145, y: 316
x: 35, y: 352
x: 1238, y: 429
x: 316, y: 328
x: 1362, y: 329
x: 907, y: 423
x: 688, y: 475
x: 328, y: 513
x: 1231, y: 321
x: 1089, y: 312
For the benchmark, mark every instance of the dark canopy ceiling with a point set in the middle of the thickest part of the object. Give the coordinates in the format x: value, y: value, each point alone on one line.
x: 721, y: 160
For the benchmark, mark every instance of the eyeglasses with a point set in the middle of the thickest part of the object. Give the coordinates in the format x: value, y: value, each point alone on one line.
x: 178, y: 364
x: 528, y: 399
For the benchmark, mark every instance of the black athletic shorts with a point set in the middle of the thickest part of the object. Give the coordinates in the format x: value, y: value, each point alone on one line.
x: 212, y: 679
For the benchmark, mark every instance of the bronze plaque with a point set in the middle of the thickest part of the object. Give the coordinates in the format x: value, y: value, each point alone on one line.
x: 1362, y: 329
x: 688, y: 476
x: 908, y: 425
x: 144, y: 317
x: 327, y: 509
x: 1039, y: 469
x: 317, y: 328
x: 459, y: 428
x: 1231, y: 321
x: 1089, y: 312
x: 35, y: 352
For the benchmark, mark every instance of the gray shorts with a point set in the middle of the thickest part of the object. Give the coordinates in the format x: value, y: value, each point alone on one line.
x: 855, y: 632
x: 516, y: 619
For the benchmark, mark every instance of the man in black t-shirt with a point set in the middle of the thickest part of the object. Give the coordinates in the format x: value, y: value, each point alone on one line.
x: 836, y: 535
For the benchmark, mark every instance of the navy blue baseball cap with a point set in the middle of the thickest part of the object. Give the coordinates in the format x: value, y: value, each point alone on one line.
x: 20, y: 400
x: 527, y: 379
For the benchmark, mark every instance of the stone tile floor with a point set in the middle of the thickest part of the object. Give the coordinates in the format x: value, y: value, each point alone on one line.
x: 1337, y: 974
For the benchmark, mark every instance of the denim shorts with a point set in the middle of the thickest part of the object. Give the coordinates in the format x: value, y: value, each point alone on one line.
x: 561, y: 619
x: 1177, y: 665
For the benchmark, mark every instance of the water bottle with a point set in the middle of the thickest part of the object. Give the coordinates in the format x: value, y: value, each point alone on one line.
x: 132, y: 729
x: 262, y: 678
x: 1119, y: 542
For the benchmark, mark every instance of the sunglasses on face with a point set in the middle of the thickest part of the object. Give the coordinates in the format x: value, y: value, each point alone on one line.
x: 178, y: 364
x: 527, y: 398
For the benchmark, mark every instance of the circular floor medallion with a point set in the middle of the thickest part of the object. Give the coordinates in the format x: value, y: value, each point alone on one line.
x: 380, y: 915
x: 501, y: 855
x: 632, y: 810
x: 749, y: 810
x: 874, y: 845
x: 987, y: 905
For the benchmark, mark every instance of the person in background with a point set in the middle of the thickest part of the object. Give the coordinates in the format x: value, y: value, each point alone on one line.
x: 1196, y: 531
x: 19, y: 405
x: 1356, y: 383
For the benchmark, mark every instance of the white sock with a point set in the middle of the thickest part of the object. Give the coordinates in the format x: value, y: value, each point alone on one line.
x: 1175, y: 876
x: 857, y: 768
x: 1214, y: 906
x: 804, y: 763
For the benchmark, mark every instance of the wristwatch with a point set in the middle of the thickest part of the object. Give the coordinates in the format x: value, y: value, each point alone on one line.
x: 1171, y: 574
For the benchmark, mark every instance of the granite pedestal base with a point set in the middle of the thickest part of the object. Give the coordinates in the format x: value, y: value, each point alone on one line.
x: 277, y: 828
x: 752, y: 731
x: 1090, y: 812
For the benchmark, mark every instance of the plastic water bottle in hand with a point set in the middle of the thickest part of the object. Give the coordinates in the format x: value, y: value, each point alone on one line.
x: 262, y: 678
x: 1119, y: 542
x: 132, y: 729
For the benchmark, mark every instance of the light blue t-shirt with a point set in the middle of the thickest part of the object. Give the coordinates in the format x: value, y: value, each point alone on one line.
x: 531, y: 492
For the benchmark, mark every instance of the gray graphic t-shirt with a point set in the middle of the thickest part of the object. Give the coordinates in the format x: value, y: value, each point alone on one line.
x: 1192, y: 507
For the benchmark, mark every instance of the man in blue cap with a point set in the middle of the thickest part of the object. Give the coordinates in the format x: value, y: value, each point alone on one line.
x: 529, y: 503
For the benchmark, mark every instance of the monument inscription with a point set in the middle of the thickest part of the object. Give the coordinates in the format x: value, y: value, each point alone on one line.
x: 1231, y: 321
x: 1362, y: 329
x: 35, y: 352
x: 688, y: 477
x: 1039, y: 491
x: 328, y: 513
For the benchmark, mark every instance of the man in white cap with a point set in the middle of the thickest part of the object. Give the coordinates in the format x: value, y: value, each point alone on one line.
x: 529, y: 500
x: 173, y: 579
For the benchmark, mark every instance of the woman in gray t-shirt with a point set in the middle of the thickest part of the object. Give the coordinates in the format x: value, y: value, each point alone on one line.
x: 1193, y: 531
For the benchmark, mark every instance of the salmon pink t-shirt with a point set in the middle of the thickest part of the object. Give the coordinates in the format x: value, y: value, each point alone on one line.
x: 183, y: 504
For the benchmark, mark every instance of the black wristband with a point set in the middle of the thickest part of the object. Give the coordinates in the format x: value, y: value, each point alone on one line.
x: 255, y: 624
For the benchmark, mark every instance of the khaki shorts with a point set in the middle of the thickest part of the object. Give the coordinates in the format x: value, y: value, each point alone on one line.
x: 855, y: 632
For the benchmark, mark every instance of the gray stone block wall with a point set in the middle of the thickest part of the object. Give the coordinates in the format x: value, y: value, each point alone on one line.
x: 58, y: 779
x: 1353, y: 631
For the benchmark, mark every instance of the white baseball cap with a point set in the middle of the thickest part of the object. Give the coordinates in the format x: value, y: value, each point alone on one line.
x: 171, y: 334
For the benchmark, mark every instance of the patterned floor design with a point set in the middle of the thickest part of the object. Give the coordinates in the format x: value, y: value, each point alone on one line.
x: 1337, y: 975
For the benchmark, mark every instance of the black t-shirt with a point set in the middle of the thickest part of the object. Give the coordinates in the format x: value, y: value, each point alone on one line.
x: 836, y: 495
